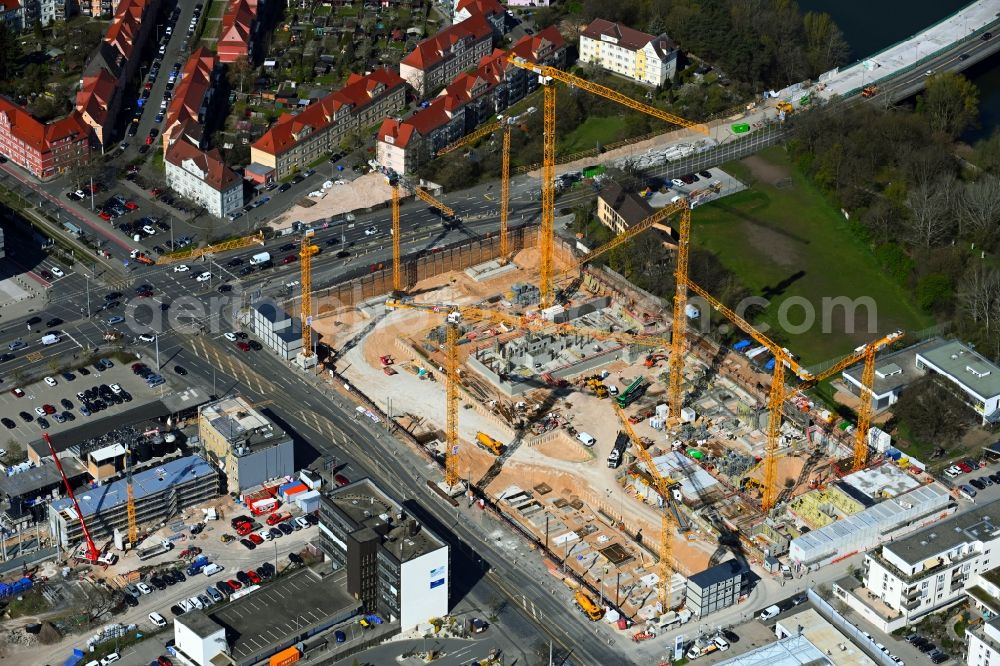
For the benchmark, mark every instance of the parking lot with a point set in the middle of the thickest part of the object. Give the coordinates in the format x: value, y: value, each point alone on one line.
x: 20, y: 406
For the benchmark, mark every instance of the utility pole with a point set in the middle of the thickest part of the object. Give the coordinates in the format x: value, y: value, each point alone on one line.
x: 156, y: 339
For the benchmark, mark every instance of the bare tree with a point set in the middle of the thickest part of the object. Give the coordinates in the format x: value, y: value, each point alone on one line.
x: 979, y: 209
x: 931, y: 219
x: 979, y: 295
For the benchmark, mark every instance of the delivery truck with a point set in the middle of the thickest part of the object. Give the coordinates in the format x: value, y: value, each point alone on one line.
x: 260, y: 258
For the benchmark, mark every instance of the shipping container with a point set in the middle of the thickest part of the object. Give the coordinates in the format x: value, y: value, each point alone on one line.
x: 286, y: 657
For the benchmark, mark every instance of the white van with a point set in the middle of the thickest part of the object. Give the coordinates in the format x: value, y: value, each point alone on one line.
x: 585, y: 439
x: 212, y: 569
x: 157, y: 619
x: 769, y: 612
x: 50, y: 339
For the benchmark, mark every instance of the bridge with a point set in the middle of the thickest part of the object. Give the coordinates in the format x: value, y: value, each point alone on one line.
x: 954, y: 43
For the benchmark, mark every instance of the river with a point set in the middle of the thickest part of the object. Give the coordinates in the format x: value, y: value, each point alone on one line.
x: 872, y: 26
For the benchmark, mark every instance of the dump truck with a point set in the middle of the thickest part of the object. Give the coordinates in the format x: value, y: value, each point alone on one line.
x: 492, y: 445
x: 590, y: 609
x: 615, y: 457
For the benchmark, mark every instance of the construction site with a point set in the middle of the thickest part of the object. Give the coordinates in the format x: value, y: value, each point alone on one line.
x: 634, y: 451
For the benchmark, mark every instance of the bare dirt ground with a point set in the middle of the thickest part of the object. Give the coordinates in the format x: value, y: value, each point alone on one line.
x: 764, y: 171
x: 368, y: 190
x: 789, y: 467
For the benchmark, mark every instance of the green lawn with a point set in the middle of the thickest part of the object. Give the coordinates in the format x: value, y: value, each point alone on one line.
x: 590, y: 132
x: 217, y: 9
x: 786, y: 241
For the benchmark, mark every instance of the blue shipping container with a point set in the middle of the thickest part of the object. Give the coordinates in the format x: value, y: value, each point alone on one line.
x: 75, y: 659
x: 741, y: 345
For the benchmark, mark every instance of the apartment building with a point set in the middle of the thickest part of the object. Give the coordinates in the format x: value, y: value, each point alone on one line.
x: 203, y: 177
x: 631, y: 53
x: 239, y: 30
x: 102, y: 86
x: 491, y: 10
x: 618, y: 210
x: 438, y: 59
x: 42, y: 149
x: 193, y: 99
x: 395, y: 565
x: 984, y: 644
x: 469, y: 100
x: 928, y: 570
x: 296, y: 140
x: 53, y: 10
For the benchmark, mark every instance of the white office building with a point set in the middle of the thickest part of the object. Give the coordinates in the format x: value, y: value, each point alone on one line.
x: 976, y: 376
x: 203, y: 178
x: 928, y: 570
x: 631, y: 53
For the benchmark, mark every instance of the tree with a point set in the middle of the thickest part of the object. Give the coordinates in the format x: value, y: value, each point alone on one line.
x: 237, y: 72
x: 931, y: 412
x: 930, y: 221
x: 979, y: 209
x: 951, y: 103
x: 10, y: 53
x: 826, y: 47
x: 979, y: 295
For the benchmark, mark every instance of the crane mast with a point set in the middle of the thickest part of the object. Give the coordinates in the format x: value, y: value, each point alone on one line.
x: 92, y: 554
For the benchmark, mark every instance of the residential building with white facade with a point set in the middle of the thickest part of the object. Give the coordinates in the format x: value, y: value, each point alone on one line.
x: 438, y: 59
x: 203, y: 177
x: 930, y: 569
x: 631, y: 53
x: 984, y: 644
x: 974, y: 375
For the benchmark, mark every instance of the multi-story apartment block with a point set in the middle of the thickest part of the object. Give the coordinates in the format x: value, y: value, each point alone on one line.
x: 395, y: 565
x: 928, y: 570
x: 469, y: 100
x: 296, y: 140
x: 491, y: 10
x: 438, y: 59
x: 630, y: 53
x: 203, y: 177
x: 98, y: 101
x: 43, y: 149
x: 53, y: 11
x: 984, y: 644
x: 191, y: 106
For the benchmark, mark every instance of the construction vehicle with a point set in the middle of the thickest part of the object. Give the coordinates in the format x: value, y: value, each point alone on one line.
x: 548, y: 76
x: 633, y: 392
x: 869, y: 91
x: 225, y: 246
x: 587, y: 605
x: 90, y: 554
x: 785, y: 108
x: 595, y: 384
x: 653, y: 359
x: 618, y: 452
x: 494, y: 446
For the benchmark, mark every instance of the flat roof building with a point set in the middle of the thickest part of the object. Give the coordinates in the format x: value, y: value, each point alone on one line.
x: 160, y: 492
x: 790, y: 651
x: 397, y: 567
x: 717, y: 587
x: 279, y: 332
x: 973, y: 373
x: 248, y: 446
x: 893, y: 373
x: 250, y: 630
x: 984, y: 643
x: 824, y: 636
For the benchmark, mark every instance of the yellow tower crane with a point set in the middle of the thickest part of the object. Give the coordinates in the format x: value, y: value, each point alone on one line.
x: 133, y: 528
x: 504, y: 124
x: 225, y: 246
x: 662, y: 485
x: 395, y: 181
x: 305, y: 265
x: 451, y: 430
x: 548, y: 76
x: 675, y: 397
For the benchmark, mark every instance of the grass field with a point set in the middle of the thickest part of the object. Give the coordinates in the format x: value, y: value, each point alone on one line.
x: 590, y: 132
x: 785, y: 240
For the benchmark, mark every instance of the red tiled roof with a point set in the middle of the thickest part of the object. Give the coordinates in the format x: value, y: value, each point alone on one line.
x: 484, y: 7
x: 37, y: 135
x: 432, y: 50
x: 95, y: 96
x: 9, y: 5
x: 399, y: 132
x: 627, y: 37
x: 530, y: 46
x: 125, y: 25
x: 195, y: 82
x: 358, y: 92
x: 423, y: 122
x: 234, y: 37
x: 217, y: 174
